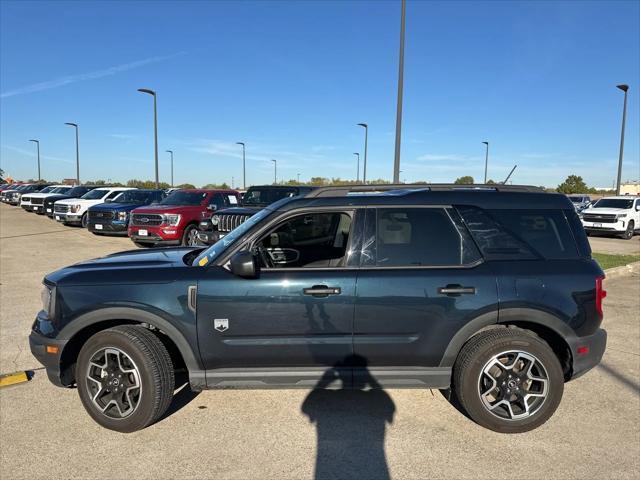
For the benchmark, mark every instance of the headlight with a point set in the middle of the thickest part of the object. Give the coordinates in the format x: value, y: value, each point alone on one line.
x: 215, y: 220
x: 172, y: 219
x: 123, y: 216
x: 74, y: 208
x: 621, y: 215
x: 46, y: 296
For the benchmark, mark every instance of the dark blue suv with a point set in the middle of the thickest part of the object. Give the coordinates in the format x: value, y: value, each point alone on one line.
x: 490, y: 292
x: 113, y: 217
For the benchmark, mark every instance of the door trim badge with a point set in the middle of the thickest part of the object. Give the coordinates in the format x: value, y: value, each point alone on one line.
x: 221, y: 324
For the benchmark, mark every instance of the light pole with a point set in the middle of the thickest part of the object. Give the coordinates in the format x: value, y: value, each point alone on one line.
x: 396, y: 160
x: 171, y: 152
x: 244, y: 166
x: 366, y: 140
x: 486, y: 161
x: 357, y: 167
x: 298, y: 179
x: 75, y: 125
x: 37, y: 142
x: 624, y: 88
x: 155, y: 127
x: 275, y: 171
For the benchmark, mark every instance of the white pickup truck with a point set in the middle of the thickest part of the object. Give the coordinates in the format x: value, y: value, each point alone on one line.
x: 617, y: 215
x: 74, y: 210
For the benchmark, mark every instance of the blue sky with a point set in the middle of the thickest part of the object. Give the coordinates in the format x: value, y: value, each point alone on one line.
x: 292, y: 79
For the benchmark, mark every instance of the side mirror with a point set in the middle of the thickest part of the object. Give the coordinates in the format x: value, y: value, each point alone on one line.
x: 107, y: 200
x: 243, y: 264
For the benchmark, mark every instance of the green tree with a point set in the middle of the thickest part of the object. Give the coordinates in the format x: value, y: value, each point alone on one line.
x: 215, y: 186
x: 186, y: 185
x: 574, y: 184
x: 466, y: 180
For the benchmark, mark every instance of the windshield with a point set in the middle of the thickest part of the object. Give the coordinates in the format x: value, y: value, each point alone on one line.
x: 94, y: 194
x: 78, y: 191
x: 614, y: 203
x: 181, y: 197
x: 266, y: 196
x: 60, y: 190
x: 575, y: 199
x: 215, y: 250
x: 47, y: 189
x: 132, y: 196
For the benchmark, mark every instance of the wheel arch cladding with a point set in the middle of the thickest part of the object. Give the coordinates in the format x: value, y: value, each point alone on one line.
x: 82, y: 328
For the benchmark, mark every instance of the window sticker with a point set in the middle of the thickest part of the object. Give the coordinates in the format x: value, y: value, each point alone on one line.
x: 233, y: 200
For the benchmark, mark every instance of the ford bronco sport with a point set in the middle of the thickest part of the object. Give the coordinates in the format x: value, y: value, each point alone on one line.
x: 490, y: 292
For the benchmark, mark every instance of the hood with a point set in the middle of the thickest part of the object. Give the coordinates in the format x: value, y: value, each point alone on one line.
x: 76, y: 201
x: 91, y: 271
x: 607, y: 211
x: 169, y: 208
x: 239, y: 211
x: 115, y: 207
x: 57, y: 196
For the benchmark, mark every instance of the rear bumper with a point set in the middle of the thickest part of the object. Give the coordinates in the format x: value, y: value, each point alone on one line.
x: 593, y: 347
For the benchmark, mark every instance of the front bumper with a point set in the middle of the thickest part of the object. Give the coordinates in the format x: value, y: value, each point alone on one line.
x: 209, y: 237
x: 114, y: 227
x: 618, y: 227
x: 38, y: 343
x: 592, y: 346
x: 34, y: 208
x: 68, y: 217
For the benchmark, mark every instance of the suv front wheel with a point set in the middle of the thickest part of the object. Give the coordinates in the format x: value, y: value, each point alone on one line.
x: 508, y: 380
x: 125, y: 378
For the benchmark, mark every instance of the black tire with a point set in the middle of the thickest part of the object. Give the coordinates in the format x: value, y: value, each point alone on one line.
x: 628, y: 233
x: 468, y: 378
x: 189, y: 236
x: 155, y: 378
x: 84, y: 220
x: 144, y: 244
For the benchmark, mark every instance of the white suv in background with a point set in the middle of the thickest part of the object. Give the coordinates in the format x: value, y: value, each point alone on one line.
x: 618, y: 215
x: 74, y: 210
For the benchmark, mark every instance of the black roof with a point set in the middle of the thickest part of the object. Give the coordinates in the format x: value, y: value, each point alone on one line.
x: 483, y: 196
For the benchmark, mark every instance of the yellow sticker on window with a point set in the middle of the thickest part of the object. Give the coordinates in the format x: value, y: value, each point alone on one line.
x: 203, y: 261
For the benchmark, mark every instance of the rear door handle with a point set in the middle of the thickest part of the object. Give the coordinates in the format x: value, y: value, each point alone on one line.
x: 322, y: 291
x: 455, y: 290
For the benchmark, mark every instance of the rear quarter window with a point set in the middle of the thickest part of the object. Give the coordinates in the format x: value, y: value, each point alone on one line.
x: 520, y: 234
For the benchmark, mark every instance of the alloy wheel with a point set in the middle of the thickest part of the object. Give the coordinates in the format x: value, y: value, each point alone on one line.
x: 113, y: 382
x: 513, y: 385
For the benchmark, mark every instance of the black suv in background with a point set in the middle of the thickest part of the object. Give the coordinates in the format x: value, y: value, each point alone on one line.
x: 491, y: 292
x: 256, y: 198
x: 112, y: 217
x: 75, y: 192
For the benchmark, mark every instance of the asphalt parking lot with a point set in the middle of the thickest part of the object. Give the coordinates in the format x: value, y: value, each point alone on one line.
x: 297, y: 434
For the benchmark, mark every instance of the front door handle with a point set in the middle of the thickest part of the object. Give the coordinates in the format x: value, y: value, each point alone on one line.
x: 322, y: 291
x: 455, y: 290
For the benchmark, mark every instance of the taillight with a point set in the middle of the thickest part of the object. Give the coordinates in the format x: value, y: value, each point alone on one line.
x: 600, y: 294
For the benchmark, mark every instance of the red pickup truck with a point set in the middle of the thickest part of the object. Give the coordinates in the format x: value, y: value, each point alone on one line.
x: 174, y: 220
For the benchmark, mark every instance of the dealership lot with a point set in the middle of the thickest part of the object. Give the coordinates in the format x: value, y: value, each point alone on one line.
x: 269, y: 434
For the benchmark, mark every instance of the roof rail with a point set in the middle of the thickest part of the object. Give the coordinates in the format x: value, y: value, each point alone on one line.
x: 344, y: 190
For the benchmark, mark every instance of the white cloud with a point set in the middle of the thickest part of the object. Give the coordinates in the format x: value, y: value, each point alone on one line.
x: 62, y: 81
x: 33, y: 154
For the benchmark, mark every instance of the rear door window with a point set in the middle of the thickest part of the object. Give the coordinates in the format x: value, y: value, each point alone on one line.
x: 417, y: 237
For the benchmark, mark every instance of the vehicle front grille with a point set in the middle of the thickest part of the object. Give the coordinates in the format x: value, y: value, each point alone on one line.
x: 37, y: 201
x: 146, y: 219
x: 226, y: 223
x: 26, y: 199
x: 61, y: 208
x: 599, y: 218
x: 100, y: 215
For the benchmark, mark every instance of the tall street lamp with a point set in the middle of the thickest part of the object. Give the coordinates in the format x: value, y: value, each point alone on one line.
x: 366, y: 140
x: 396, y: 160
x: 244, y: 166
x: 171, y: 152
x: 298, y: 179
x: 155, y: 127
x: 624, y: 88
x: 75, y: 125
x: 357, y: 167
x: 37, y: 142
x: 486, y: 161
x: 275, y: 171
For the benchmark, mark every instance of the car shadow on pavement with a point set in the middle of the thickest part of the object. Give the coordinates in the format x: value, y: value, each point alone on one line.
x: 350, y: 424
x: 633, y: 386
x: 183, y: 395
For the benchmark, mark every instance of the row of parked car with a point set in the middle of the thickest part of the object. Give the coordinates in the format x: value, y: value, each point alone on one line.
x: 614, y: 215
x: 149, y: 217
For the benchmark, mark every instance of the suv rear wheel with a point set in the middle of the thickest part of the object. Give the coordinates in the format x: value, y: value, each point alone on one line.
x: 508, y: 380
x: 125, y: 378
